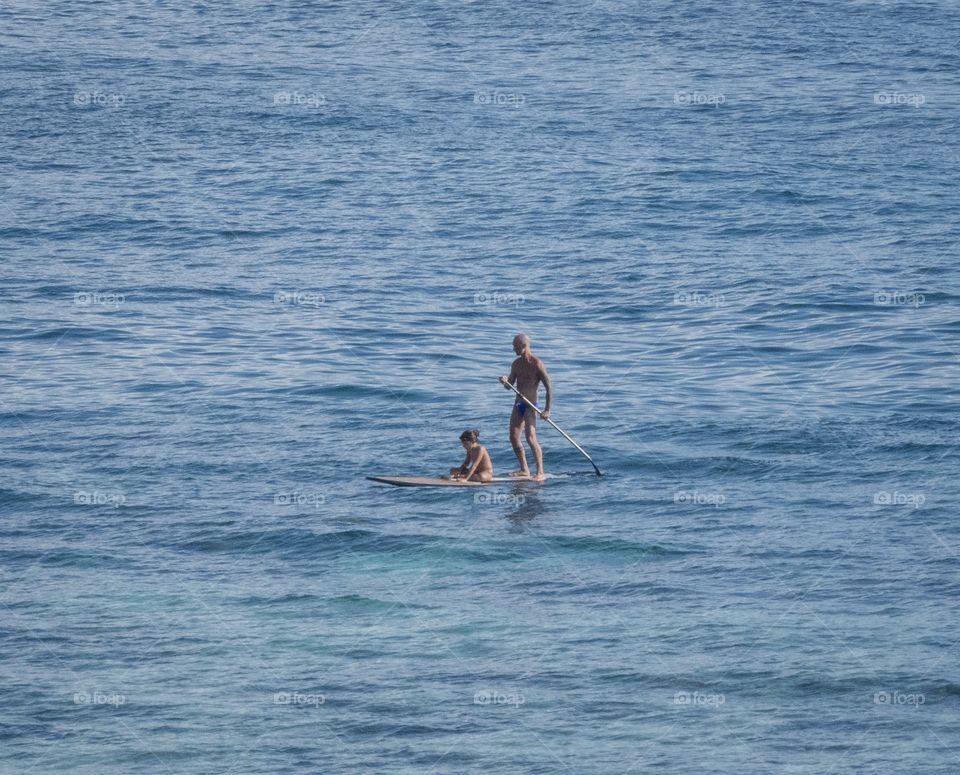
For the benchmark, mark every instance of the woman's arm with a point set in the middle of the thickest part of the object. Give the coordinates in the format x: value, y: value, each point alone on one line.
x: 475, y: 466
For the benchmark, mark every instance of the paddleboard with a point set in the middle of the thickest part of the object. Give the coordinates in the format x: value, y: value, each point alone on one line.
x: 432, y: 481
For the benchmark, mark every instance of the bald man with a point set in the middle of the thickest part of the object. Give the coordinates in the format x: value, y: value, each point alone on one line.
x: 526, y: 373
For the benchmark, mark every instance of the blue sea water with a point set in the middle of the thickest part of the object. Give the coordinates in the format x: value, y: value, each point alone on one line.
x: 252, y: 253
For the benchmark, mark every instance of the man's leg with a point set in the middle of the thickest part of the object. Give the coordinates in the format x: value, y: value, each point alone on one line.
x: 515, y: 425
x: 531, y: 429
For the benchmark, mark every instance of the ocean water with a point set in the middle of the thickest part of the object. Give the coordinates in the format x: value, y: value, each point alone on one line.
x: 252, y: 253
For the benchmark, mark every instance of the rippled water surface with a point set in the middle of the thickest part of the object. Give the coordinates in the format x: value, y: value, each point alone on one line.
x: 253, y: 253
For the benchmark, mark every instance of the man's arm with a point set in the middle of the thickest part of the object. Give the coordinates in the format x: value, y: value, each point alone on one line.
x: 512, y: 379
x: 548, y: 387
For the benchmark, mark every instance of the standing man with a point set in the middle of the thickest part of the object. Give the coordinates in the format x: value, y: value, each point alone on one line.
x: 526, y: 373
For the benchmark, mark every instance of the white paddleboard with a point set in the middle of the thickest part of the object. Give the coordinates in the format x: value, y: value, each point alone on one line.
x: 436, y: 481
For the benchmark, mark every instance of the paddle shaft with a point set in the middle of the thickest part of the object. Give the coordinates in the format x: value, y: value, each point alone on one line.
x: 559, y: 429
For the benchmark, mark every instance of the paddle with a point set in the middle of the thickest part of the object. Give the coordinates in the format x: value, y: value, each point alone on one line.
x: 561, y: 431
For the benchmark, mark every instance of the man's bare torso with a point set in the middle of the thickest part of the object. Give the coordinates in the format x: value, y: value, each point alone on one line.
x: 528, y: 376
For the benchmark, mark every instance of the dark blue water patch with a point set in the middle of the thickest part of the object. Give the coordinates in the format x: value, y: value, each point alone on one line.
x: 727, y: 465
x: 297, y: 542
x: 611, y: 548
x: 15, y: 233
x: 944, y: 689
x: 357, y: 391
x: 18, y: 497
x: 62, y: 558
x: 189, y: 387
x: 76, y: 227
x: 864, y: 686
x: 789, y: 309
x: 362, y: 604
x: 162, y: 294
x: 69, y: 335
x: 348, y: 604
x: 33, y: 729
x: 934, y: 450
x: 495, y: 554
x: 288, y: 599
x: 618, y: 591
x: 391, y: 725
x: 55, y: 415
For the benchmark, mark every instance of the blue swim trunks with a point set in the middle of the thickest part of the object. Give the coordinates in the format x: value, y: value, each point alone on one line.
x: 522, y: 407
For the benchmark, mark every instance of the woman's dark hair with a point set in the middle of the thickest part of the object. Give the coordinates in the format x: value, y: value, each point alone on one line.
x: 471, y: 436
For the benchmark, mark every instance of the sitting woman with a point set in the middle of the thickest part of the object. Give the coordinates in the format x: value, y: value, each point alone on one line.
x: 477, y: 467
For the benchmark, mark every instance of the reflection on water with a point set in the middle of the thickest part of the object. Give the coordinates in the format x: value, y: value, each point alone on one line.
x: 527, y: 506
